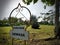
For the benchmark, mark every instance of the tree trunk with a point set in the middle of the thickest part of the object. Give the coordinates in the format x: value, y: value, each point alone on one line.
x: 57, y: 32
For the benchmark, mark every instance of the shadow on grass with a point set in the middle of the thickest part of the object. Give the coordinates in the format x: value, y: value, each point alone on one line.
x: 50, y: 39
x: 36, y: 28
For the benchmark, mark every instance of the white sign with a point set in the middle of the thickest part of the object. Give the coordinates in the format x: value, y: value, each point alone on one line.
x: 19, y: 34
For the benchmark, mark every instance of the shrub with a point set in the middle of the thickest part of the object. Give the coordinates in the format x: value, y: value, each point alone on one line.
x: 35, y: 25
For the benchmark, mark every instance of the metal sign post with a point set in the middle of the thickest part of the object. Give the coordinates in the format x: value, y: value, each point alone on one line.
x: 19, y: 32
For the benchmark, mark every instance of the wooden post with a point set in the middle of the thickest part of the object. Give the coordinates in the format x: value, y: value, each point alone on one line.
x: 12, y: 41
x: 24, y: 42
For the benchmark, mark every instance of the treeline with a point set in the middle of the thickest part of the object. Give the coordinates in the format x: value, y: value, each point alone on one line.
x: 46, y: 23
x: 12, y: 21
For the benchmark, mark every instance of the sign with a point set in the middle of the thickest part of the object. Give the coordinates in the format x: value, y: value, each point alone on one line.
x: 19, y: 33
x: 18, y: 27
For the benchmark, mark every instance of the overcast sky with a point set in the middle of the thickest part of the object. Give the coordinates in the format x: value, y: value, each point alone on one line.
x: 6, y: 6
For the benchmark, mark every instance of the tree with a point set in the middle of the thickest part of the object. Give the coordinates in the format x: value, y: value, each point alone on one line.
x: 50, y: 16
x: 34, y: 22
x: 5, y: 20
x: 12, y: 20
x: 57, y: 26
x: 50, y: 3
x: 29, y: 1
x: 33, y: 19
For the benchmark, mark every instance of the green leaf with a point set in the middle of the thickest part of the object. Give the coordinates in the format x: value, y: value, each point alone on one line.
x: 35, y: 1
x: 27, y: 1
x: 49, y: 2
x: 24, y: 1
x: 30, y: 1
x: 43, y: 1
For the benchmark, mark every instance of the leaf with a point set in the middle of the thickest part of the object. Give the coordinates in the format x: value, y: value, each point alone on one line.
x: 49, y: 2
x: 24, y: 1
x: 27, y: 2
x: 30, y: 1
x: 43, y: 1
x: 34, y: 1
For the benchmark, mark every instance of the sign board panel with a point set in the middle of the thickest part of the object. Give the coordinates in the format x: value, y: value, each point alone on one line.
x: 19, y: 34
x: 18, y: 27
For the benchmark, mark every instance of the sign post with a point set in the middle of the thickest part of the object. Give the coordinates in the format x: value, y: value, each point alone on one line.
x: 12, y: 41
x: 25, y: 40
x: 19, y: 32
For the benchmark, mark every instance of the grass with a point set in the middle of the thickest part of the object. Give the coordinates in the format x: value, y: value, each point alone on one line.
x: 5, y: 29
x: 44, y: 31
x: 43, y: 28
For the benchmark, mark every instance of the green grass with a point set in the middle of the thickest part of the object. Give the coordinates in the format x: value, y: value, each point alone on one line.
x: 5, y: 29
x: 45, y: 31
x: 43, y: 28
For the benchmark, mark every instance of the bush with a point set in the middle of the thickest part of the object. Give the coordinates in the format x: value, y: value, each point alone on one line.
x: 35, y: 25
x: 2, y: 24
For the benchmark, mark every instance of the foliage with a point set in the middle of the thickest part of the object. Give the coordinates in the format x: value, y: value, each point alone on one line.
x: 29, y: 1
x: 35, y: 25
x: 33, y: 19
x: 4, y: 23
x: 34, y: 22
x: 49, y: 2
x: 13, y: 20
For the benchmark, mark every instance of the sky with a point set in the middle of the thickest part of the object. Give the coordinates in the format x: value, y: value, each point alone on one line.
x: 6, y: 6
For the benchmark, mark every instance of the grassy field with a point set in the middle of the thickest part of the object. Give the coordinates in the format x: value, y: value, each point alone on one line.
x: 44, y: 31
x: 5, y: 29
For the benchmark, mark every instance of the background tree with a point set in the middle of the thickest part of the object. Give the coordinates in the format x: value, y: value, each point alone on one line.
x: 12, y: 20
x: 50, y: 16
x: 50, y: 3
x: 29, y: 1
x: 33, y: 19
x: 5, y: 20
x: 34, y: 22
